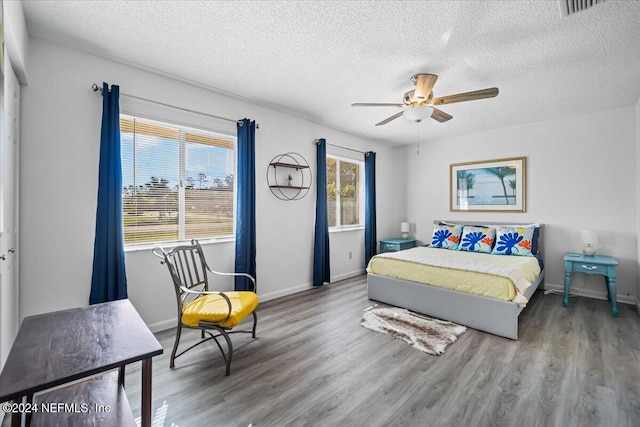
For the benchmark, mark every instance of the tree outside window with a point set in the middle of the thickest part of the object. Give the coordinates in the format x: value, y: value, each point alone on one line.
x: 344, y: 192
x: 178, y: 182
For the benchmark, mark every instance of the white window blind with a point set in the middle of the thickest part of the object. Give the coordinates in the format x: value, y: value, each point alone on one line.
x: 178, y: 182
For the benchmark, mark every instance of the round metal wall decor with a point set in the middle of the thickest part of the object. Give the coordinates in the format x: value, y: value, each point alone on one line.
x: 289, y: 176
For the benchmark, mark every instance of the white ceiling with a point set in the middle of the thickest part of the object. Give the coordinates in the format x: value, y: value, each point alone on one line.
x: 314, y: 59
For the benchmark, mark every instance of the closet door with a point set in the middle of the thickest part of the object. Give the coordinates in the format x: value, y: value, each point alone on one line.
x: 9, y: 152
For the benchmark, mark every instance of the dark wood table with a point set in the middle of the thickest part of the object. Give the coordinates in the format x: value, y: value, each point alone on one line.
x: 56, y: 348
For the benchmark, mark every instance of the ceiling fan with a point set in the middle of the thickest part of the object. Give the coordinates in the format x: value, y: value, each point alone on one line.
x: 422, y: 96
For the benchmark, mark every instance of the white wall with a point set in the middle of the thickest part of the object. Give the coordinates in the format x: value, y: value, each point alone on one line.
x: 638, y: 195
x: 60, y: 149
x: 581, y: 174
x: 342, y: 243
x: 16, y: 38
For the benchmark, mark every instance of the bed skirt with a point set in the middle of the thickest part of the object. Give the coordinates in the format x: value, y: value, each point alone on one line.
x: 477, y: 312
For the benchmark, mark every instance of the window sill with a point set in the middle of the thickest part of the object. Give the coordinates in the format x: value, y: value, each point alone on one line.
x: 343, y: 229
x: 150, y: 246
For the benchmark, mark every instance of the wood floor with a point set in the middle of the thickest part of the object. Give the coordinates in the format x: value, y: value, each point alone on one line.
x: 314, y: 365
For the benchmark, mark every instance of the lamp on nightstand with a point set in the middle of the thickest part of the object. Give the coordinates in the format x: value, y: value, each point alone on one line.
x: 404, y: 229
x: 589, y: 237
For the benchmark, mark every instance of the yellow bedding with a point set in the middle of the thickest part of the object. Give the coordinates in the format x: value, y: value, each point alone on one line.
x: 472, y: 282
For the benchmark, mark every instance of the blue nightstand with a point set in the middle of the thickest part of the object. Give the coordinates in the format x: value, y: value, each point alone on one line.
x: 394, y: 245
x: 597, y: 264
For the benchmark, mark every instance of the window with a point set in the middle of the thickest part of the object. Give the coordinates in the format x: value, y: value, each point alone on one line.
x: 178, y: 182
x: 345, y: 195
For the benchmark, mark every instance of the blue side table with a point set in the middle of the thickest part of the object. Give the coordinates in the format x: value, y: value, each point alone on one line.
x: 597, y: 264
x: 394, y: 245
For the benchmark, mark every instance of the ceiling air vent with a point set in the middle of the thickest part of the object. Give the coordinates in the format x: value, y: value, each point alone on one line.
x: 569, y: 7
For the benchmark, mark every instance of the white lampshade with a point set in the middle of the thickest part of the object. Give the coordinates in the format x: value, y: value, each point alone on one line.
x: 589, y: 237
x: 404, y: 229
x: 417, y: 114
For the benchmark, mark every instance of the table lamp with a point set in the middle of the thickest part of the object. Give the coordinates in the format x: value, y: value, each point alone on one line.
x: 589, y: 237
x: 404, y: 229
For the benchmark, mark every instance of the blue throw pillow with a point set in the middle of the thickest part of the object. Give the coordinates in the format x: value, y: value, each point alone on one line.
x: 446, y: 236
x: 535, y: 249
x: 514, y: 240
x: 477, y: 239
x: 534, y: 242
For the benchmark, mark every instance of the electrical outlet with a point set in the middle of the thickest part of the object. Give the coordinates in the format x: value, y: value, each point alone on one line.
x: 350, y: 255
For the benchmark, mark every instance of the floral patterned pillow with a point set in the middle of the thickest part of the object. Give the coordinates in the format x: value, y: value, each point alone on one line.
x: 535, y: 249
x: 446, y: 236
x: 477, y: 239
x: 514, y: 240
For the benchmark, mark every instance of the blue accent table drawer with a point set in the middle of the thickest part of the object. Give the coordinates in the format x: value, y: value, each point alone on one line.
x: 597, y: 264
x: 394, y: 245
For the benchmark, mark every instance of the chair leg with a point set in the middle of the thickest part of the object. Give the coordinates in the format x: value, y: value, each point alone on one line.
x: 230, y: 354
x: 255, y: 323
x: 175, y: 347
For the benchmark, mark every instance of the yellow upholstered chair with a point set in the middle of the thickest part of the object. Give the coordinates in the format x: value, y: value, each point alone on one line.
x: 214, y: 313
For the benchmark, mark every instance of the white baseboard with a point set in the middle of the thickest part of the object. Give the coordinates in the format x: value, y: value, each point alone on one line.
x: 164, y: 325
x: 625, y: 299
x: 348, y: 275
x: 306, y: 286
x: 171, y: 323
x: 285, y: 292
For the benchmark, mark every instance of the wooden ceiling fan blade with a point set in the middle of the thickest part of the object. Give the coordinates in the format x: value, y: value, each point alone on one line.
x: 376, y: 104
x: 424, y: 84
x: 440, y: 116
x: 467, y: 96
x: 388, y: 119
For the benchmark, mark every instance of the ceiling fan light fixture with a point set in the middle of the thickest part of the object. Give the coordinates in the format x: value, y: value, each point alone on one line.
x: 417, y: 114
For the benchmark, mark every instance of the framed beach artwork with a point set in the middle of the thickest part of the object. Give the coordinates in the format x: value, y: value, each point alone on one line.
x: 488, y: 185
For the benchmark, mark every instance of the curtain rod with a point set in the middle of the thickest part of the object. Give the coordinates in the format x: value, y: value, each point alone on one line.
x: 97, y: 88
x: 366, y: 153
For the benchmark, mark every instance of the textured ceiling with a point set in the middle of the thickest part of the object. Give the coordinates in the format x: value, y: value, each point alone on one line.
x: 314, y: 59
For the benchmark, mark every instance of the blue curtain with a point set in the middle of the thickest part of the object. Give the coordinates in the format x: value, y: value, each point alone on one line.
x: 321, y: 268
x: 246, y: 205
x: 370, y: 240
x: 109, y: 279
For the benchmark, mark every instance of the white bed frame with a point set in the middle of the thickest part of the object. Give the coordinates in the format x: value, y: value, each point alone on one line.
x: 478, y: 312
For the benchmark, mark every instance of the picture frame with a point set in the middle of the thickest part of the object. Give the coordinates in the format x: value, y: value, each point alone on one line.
x: 488, y: 185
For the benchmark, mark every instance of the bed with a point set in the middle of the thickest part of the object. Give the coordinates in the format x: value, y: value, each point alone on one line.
x: 485, y: 313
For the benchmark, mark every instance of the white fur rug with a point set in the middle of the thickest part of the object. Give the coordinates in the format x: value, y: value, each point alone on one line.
x: 424, y: 333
